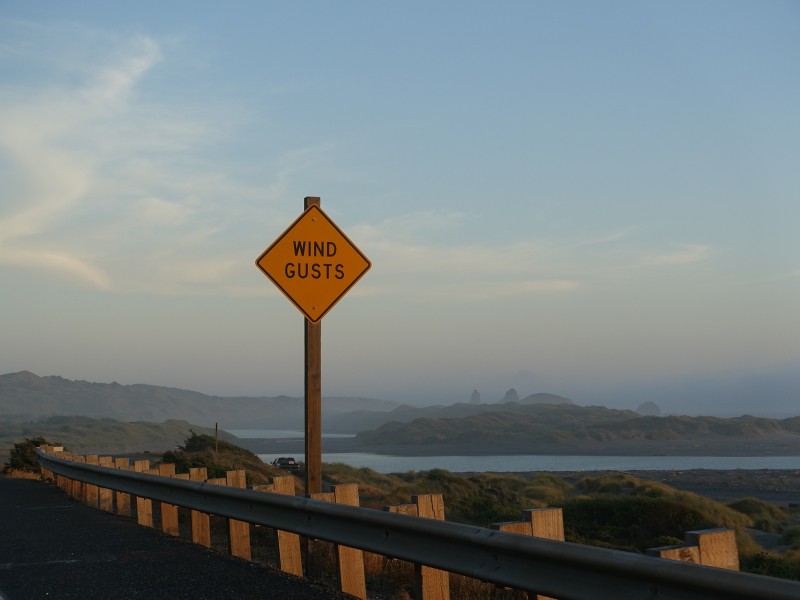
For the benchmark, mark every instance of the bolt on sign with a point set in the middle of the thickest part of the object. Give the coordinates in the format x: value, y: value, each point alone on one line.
x: 313, y: 263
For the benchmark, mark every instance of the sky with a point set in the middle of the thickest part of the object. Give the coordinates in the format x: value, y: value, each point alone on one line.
x: 597, y: 200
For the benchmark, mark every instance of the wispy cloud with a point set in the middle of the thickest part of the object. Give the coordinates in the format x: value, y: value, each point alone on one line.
x: 449, y: 269
x: 487, y: 291
x: 686, y: 254
x: 53, y: 179
x: 609, y: 238
x: 98, y: 179
x: 59, y: 263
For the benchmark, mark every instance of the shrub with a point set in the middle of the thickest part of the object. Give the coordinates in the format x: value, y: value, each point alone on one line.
x: 765, y: 516
x: 791, y: 537
x: 629, y: 522
x: 22, y: 456
x: 772, y: 565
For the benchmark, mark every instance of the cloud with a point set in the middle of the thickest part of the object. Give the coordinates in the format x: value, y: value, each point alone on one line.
x: 477, y: 292
x: 412, y: 225
x: 688, y: 254
x: 113, y: 84
x: 53, y: 179
x: 90, y: 165
x: 60, y: 263
x: 155, y: 211
x: 454, y: 270
x: 609, y: 238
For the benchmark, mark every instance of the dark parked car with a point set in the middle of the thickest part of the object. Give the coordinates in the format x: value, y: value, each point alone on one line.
x: 287, y: 463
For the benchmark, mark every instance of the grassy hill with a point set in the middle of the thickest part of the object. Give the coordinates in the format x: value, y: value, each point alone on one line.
x: 356, y: 421
x: 546, y: 427
x: 24, y: 396
x: 86, y: 435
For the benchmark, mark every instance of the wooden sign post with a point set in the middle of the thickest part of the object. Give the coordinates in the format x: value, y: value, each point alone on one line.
x: 314, y: 264
x: 313, y: 396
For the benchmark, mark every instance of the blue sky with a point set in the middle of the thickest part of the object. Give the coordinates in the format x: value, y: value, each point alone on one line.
x: 598, y: 200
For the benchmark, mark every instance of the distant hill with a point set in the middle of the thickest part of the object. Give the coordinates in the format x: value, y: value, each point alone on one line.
x: 25, y: 396
x: 85, y: 435
x: 542, y: 398
x: 362, y: 420
x: 650, y: 409
x: 544, y: 428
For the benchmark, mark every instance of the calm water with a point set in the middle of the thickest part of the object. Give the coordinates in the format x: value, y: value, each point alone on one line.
x: 516, y: 463
x: 460, y: 464
x: 280, y: 434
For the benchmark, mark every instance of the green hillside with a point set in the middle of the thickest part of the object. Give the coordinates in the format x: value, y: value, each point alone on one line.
x: 523, y: 428
x: 85, y: 435
x: 25, y: 396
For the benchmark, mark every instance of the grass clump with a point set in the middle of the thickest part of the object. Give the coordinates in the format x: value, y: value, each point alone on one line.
x: 764, y: 516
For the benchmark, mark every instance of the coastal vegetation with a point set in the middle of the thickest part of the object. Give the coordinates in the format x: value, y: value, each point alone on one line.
x: 611, y: 510
x: 535, y: 424
x: 557, y: 423
x: 87, y: 435
x: 218, y: 456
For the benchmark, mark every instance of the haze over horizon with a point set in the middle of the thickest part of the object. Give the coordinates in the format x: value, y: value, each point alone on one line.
x: 598, y: 201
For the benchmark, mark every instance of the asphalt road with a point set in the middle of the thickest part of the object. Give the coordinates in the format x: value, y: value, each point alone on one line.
x: 52, y: 547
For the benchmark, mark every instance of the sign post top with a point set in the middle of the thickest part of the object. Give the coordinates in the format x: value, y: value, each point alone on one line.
x: 313, y: 263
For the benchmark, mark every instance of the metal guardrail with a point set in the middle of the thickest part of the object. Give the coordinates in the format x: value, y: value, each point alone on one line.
x: 559, y: 569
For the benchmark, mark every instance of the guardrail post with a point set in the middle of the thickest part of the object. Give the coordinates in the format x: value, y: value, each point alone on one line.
x: 238, y: 531
x: 105, y: 496
x: 144, y: 506
x: 123, y: 500
x: 288, y: 543
x: 430, y: 583
x: 707, y: 547
x: 63, y: 481
x: 545, y: 523
x: 201, y: 522
x: 289, y: 559
x: 44, y: 472
x: 91, y: 492
x: 169, y: 512
x: 349, y: 561
x: 689, y: 554
x: 78, y: 487
x: 717, y: 547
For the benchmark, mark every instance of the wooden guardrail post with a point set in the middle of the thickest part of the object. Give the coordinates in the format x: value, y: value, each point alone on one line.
x: 91, y: 492
x: 105, y: 496
x: 707, y: 547
x: 169, y: 512
x: 63, y: 481
x: 349, y: 561
x: 144, y: 506
x: 201, y: 522
x: 545, y: 523
x: 717, y: 547
x: 429, y: 583
x: 289, y: 555
x: 123, y: 500
x: 46, y: 474
x: 78, y: 487
x: 238, y: 531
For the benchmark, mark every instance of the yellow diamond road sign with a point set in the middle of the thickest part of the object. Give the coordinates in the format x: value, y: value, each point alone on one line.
x: 314, y: 263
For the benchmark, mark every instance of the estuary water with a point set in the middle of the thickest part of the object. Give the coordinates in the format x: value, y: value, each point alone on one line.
x: 520, y: 463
